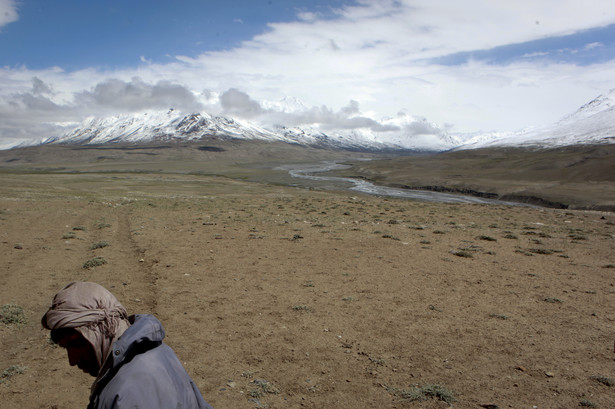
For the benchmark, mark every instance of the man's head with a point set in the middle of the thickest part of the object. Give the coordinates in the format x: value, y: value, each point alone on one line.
x: 85, y: 319
x: 79, y: 350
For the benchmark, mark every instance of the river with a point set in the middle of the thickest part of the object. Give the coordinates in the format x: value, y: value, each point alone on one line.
x: 314, y: 172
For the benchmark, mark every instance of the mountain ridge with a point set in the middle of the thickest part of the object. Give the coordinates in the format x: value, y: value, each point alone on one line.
x: 592, y: 123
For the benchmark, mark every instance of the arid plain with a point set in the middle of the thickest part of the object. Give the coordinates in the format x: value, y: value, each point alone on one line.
x: 286, y: 296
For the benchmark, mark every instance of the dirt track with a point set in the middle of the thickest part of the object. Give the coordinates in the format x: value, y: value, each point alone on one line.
x: 337, y: 301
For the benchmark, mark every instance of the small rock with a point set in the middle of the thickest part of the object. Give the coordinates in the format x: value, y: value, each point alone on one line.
x: 549, y: 374
x: 520, y: 368
x: 18, y: 247
x: 230, y: 384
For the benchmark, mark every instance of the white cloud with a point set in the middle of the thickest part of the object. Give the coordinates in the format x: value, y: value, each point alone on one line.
x: 593, y: 45
x: 136, y: 95
x: 8, y: 12
x: 376, y: 53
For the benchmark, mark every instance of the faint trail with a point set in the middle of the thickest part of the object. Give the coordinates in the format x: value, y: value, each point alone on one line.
x: 139, y: 271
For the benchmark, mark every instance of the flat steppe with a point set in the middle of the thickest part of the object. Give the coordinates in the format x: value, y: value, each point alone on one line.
x: 284, y: 297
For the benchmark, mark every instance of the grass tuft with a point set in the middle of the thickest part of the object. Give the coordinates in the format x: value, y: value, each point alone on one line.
x: 99, y: 245
x: 94, y: 262
x: 11, y: 371
x: 463, y: 253
x: 425, y: 392
x: 261, y: 387
x: 604, y: 380
x: 486, y: 238
x: 12, y: 314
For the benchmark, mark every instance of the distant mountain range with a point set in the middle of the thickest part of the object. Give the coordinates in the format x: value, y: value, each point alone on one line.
x: 593, y: 123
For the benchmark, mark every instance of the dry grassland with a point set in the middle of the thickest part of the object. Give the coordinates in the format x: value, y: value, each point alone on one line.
x: 284, y: 298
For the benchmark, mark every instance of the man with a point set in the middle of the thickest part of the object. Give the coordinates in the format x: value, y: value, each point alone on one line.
x: 132, y: 366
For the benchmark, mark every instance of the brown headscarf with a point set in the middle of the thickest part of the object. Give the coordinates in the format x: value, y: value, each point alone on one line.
x: 93, y: 311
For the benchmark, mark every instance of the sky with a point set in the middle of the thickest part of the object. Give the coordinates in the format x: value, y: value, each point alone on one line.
x: 466, y: 66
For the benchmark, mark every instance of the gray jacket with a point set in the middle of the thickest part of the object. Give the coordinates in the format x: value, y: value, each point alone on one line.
x: 145, y: 373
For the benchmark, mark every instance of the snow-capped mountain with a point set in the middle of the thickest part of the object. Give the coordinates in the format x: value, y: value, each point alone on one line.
x: 158, y: 126
x: 593, y: 123
x: 401, y: 133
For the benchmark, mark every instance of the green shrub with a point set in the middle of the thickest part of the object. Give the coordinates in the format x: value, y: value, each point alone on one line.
x: 604, y: 380
x: 486, y: 238
x: 426, y: 392
x: 261, y: 388
x: 463, y: 253
x: 11, y: 371
x: 94, y: 262
x: 12, y: 314
x: 99, y: 245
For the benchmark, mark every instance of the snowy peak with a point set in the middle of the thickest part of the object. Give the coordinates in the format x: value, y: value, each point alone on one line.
x: 592, y: 123
x: 287, y: 105
x: 599, y: 104
x: 159, y: 126
x: 401, y: 133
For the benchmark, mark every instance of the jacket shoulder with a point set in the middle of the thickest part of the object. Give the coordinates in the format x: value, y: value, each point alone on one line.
x: 154, y: 379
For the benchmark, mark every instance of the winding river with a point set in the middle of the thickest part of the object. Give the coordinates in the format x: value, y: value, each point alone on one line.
x: 314, y: 172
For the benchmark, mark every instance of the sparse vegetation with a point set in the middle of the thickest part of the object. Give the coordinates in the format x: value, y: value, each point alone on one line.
x: 262, y: 387
x: 463, y: 253
x: 486, y: 238
x: 251, y: 292
x: 604, y: 380
x: 541, y: 251
x: 94, y: 262
x: 99, y: 245
x: 587, y: 404
x: 12, y: 314
x: 425, y: 392
x: 11, y: 371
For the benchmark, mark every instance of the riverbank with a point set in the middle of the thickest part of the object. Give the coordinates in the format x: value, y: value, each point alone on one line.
x: 573, y: 177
